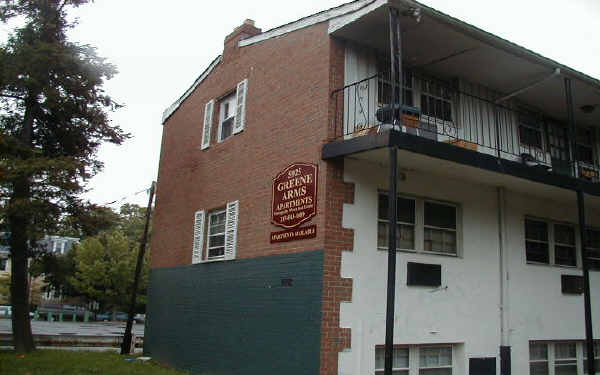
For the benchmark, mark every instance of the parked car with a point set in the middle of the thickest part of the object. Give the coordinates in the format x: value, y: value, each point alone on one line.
x: 5, y: 312
x: 107, y: 316
x: 139, y: 318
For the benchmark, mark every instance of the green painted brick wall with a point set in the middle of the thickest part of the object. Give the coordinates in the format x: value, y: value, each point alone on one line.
x: 238, y: 317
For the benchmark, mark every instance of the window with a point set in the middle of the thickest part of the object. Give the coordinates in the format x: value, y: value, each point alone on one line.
x: 385, y: 88
x: 435, y: 360
x: 232, y: 115
x: 530, y: 129
x: 422, y: 225
x: 565, y: 354
x: 422, y: 360
x: 538, y: 359
x: 405, y: 230
x: 436, y: 101
x: 596, y: 356
x: 593, y: 248
x: 400, y: 361
x: 216, y: 234
x: 440, y: 228
x: 550, y: 243
x: 585, y: 147
x: 565, y: 250
x: 220, y: 227
x: 559, y: 358
x: 227, y: 115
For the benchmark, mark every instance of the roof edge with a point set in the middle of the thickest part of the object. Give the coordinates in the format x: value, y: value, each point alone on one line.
x: 173, y: 107
x: 313, y: 19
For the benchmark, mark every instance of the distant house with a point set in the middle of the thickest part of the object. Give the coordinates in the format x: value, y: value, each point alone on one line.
x: 260, y: 267
x: 51, y: 244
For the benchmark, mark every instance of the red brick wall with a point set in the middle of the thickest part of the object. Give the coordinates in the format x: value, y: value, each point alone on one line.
x: 286, y: 121
x: 289, y: 117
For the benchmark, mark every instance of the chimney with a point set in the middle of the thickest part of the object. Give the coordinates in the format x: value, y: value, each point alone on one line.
x: 245, y: 30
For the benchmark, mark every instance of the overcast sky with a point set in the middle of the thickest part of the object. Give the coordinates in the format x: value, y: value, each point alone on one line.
x: 160, y: 47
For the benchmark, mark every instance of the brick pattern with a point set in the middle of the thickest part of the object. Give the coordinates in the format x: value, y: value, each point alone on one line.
x: 286, y: 122
x: 290, y: 114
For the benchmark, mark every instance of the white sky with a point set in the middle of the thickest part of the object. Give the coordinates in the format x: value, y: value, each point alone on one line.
x: 160, y: 47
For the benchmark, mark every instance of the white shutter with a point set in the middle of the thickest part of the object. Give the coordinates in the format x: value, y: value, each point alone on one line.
x: 231, y: 224
x: 208, y: 119
x: 198, y: 237
x: 240, y: 106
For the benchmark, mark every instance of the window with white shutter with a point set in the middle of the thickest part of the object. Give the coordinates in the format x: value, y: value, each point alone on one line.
x: 198, y: 237
x: 240, y: 111
x: 231, y: 225
x: 208, y: 119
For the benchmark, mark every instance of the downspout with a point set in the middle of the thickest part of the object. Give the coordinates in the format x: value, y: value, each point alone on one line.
x: 503, y: 255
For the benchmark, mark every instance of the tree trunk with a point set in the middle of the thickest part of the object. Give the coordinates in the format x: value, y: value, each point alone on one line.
x: 19, y: 223
x: 19, y: 286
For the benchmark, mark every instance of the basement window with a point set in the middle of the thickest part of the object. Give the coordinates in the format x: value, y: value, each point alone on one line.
x: 422, y: 360
x: 561, y: 357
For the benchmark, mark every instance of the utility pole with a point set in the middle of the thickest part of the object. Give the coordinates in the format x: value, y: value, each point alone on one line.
x: 126, y: 345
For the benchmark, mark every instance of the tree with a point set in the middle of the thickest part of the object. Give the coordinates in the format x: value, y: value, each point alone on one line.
x: 89, y: 221
x: 104, y: 270
x: 56, y: 270
x: 53, y: 118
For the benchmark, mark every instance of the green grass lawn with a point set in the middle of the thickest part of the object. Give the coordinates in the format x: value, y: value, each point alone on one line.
x: 64, y: 362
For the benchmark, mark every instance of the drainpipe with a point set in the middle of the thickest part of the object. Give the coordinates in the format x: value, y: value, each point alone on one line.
x: 505, y: 355
x: 396, y: 62
x: 589, y: 334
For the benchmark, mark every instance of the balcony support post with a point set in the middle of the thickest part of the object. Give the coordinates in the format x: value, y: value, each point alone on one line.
x: 396, y: 65
x: 391, y: 282
x: 589, y: 333
x: 571, y: 120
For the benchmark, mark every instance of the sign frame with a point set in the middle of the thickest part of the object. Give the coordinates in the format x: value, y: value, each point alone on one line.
x: 278, y: 177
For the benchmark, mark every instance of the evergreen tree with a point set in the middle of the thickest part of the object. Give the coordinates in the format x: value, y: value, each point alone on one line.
x: 53, y: 118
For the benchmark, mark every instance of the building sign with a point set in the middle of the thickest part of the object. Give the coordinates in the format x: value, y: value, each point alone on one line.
x: 294, y: 234
x: 295, y: 195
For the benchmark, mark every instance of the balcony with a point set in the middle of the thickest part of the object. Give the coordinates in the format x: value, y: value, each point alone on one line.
x: 467, y: 116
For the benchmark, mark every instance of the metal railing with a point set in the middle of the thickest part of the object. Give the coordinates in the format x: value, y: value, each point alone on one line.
x: 467, y: 117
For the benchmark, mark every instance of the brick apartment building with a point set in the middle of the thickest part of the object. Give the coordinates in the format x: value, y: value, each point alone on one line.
x: 271, y: 230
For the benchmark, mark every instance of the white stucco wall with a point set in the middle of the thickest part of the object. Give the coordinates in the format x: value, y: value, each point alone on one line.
x: 465, y: 311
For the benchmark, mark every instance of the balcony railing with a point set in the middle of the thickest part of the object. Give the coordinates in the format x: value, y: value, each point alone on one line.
x: 465, y: 115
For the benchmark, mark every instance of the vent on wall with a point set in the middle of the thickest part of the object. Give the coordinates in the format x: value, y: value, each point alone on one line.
x: 421, y: 274
x: 571, y: 284
x: 482, y: 366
